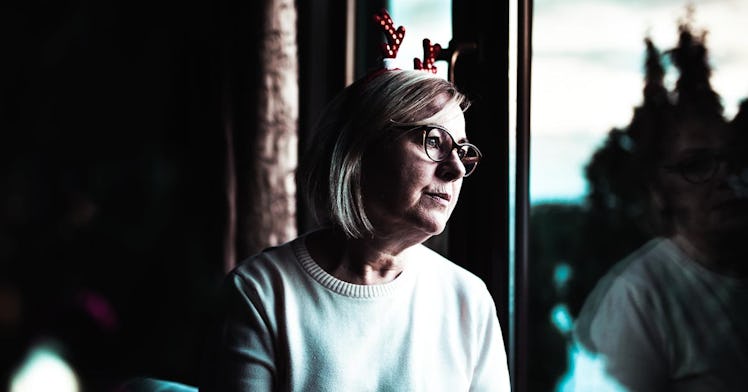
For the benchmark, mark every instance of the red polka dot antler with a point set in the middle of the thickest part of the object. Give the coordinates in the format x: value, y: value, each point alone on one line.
x: 394, y: 37
x: 430, y: 53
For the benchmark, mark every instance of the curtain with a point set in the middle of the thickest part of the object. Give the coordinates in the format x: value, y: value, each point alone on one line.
x: 261, y: 134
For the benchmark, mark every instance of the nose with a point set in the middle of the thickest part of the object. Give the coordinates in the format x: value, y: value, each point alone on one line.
x: 451, y: 168
x: 731, y: 167
x: 737, y: 180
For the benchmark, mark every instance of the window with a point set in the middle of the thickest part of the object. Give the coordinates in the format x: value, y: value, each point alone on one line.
x: 587, y: 78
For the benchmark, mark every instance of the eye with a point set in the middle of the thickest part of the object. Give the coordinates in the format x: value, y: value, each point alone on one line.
x: 433, y: 142
x: 434, y: 139
x: 698, y: 164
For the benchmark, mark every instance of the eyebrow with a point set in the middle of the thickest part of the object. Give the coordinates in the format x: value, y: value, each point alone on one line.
x: 460, y: 140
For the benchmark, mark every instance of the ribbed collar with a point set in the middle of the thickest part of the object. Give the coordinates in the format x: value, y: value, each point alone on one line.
x: 344, y: 288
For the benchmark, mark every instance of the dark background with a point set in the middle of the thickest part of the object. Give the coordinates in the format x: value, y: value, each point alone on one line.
x: 112, y: 203
x: 113, y: 207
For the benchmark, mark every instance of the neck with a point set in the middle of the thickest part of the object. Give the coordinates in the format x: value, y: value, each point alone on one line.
x: 358, y: 261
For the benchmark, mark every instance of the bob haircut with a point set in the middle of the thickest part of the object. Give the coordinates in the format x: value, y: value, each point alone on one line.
x: 363, y: 114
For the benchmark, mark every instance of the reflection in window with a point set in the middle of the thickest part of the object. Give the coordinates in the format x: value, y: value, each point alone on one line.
x: 588, y: 77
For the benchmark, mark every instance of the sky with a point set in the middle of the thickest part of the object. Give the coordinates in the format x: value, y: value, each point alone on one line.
x: 430, y: 19
x: 587, y: 75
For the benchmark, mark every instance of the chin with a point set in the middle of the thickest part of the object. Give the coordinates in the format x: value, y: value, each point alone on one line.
x: 433, y: 228
x: 430, y: 224
x: 437, y: 231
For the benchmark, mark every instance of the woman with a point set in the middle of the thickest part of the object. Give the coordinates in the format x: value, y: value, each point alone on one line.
x: 361, y: 304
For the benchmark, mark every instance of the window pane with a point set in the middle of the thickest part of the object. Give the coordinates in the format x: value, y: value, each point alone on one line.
x: 430, y: 19
x: 590, y: 184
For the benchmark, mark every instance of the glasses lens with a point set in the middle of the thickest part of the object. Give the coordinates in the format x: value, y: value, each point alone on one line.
x: 699, y: 168
x: 438, y: 144
x: 469, y: 156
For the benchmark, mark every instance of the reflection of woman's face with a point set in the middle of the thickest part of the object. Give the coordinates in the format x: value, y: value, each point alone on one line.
x: 407, y: 194
x: 712, y: 207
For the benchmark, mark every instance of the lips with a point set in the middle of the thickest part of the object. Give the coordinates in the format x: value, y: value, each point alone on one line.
x: 440, y: 195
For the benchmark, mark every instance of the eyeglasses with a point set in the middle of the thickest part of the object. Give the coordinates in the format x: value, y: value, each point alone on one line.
x: 699, y: 168
x: 439, y: 143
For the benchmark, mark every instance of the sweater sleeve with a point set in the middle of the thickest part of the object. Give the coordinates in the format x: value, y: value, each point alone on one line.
x: 491, y: 371
x: 239, y: 355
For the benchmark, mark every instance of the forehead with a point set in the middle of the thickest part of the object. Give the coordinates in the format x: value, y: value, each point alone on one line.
x: 453, y: 120
x: 693, y: 136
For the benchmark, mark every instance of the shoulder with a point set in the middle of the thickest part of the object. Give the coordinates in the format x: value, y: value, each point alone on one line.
x: 633, y: 289
x: 432, y: 263
x: 436, y: 270
x: 642, y: 268
x: 271, y: 259
x: 265, y: 272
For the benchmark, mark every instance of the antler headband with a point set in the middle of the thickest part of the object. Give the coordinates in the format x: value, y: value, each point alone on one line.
x: 394, y: 39
x: 430, y: 53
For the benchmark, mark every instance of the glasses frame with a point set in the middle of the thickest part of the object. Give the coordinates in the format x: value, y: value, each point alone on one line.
x: 718, y: 160
x: 455, y: 145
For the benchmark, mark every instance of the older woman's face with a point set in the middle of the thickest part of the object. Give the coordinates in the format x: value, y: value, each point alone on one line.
x: 405, y: 193
x: 717, y: 205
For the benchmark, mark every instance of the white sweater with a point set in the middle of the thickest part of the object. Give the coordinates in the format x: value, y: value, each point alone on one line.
x: 291, y: 326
